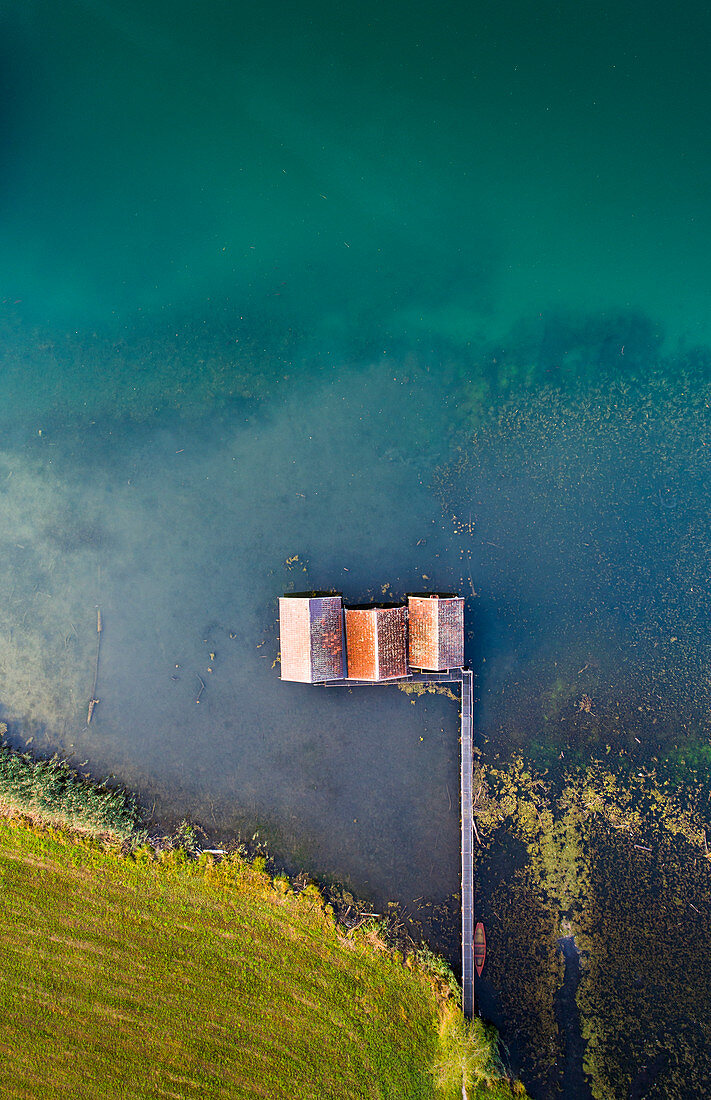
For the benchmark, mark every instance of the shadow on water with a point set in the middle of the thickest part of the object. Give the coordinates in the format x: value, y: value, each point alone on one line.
x: 574, y: 1083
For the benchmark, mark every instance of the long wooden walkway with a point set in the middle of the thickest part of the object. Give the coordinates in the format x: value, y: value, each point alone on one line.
x: 464, y: 677
x: 467, y: 823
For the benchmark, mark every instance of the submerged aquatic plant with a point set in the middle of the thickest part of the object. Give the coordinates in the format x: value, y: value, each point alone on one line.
x: 623, y: 861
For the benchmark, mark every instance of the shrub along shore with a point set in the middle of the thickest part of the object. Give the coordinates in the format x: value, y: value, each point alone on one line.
x: 49, y: 792
x: 133, y: 971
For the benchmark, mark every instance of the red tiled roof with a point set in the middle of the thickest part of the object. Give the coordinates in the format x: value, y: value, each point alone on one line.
x: 392, y: 642
x: 451, y: 632
x: 375, y: 643
x: 327, y: 656
x: 295, y: 639
x: 311, y: 637
x: 436, y: 632
x: 422, y: 626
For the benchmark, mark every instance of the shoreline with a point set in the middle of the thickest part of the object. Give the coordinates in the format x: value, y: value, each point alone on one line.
x: 462, y: 1047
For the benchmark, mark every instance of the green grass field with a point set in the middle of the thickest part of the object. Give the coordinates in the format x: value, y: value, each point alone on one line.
x: 129, y: 977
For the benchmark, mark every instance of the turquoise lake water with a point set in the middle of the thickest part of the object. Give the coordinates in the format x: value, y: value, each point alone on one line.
x: 268, y: 278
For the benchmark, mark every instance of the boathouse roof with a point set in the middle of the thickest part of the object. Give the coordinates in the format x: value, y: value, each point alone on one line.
x: 311, y: 637
x: 376, y: 643
x: 436, y: 632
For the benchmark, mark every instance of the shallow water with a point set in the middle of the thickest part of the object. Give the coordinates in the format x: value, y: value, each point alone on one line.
x: 367, y: 299
x: 172, y: 530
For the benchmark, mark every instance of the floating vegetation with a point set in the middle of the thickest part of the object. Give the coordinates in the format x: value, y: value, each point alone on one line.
x: 624, y: 866
x: 645, y: 996
x: 587, y: 508
x: 577, y: 499
x: 529, y: 804
x: 522, y: 963
x: 428, y: 689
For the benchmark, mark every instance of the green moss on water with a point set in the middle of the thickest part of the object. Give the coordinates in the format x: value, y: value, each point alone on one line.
x: 619, y: 860
x: 585, y: 491
x: 689, y: 763
x: 645, y: 997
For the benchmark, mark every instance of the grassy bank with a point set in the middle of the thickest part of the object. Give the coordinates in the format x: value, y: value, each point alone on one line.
x: 141, y: 971
x: 144, y: 976
x: 137, y: 977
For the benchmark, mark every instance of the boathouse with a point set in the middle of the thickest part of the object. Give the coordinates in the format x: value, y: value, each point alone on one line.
x: 376, y: 649
x: 376, y: 643
x: 322, y: 642
x: 312, y: 641
x: 436, y: 632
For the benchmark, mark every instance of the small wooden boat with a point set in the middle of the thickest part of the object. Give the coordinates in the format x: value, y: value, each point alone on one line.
x: 479, y: 948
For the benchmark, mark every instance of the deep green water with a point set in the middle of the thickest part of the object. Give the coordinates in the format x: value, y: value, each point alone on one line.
x: 415, y: 293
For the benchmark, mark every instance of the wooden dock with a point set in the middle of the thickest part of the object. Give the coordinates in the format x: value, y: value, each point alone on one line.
x: 467, y: 823
x: 464, y: 677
